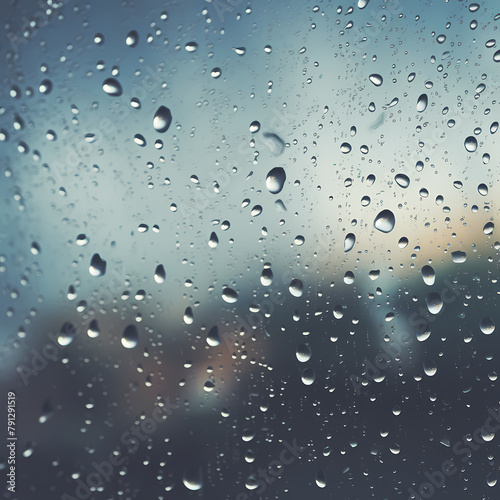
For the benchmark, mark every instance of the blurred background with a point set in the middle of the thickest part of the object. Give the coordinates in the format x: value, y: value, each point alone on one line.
x: 253, y: 227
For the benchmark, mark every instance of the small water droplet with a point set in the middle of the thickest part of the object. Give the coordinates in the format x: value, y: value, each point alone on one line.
x: 296, y: 287
x: 422, y: 103
x: 132, y: 39
x: 470, y: 144
x: 191, y: 46
x: 434, y: 302
x: 213, y: 338
x: 160, y: 274
x: 308, y: 376
x: 93, y: 329
x: 215, y: 73
x: 458, y: 257
x: 349, y: 241
x: 488, y: 228
x: 428, y: 275
x: 254, y: 126
x: 66, y: 334
x: 188, y: 316
x: 345, y: 148
x: 376, y: 79
x: 402, y: 180
x: 487, y: 325
x: 229, y: 295
x: 303, y: 353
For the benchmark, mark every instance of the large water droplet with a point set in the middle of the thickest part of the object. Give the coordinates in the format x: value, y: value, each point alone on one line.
x: 274, y: 143
x: 423, y: 332
x: 229, y: 295
x: 470, y: 144
x: 162, y: 119
x: 93, y: 329
x: 66, y: 334
x: 303, y: 353
x: 430, y: 368
x: 112, y: 87
x: 132, y: 39
x: 160, y: 274
x: 434, y: 302
x: 488, y: 228
x: 345, y: 148
x: 266, y: 278
x: 97, y: 265
x: 422, y: 103
x: 193, y: 478
x: 349, y: 241
x: 275, y: 180
x: 213, y: 338
x: 130, y: 337
x: 385, y: 221
x: 296, y: 287
x: 458, y: 257
x: 188, y: 316
x: 376, y: 79
x: 402, y: 180
x: 308, y: 376
x: 320, y: 475
x: 428, y: 275
x: 213, y: 241
x: 363, y: 3
x: 487, y: 325
x: 254, y: 127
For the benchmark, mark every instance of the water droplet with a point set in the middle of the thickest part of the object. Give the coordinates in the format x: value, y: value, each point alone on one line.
x: 274, y: 143
x: 35, y: 248
x: 139, y: 140
x: 215, y: 73
x: 491, y: 479
x: 434, y: 302
x: 268, y: 49
x: 132, y: 39
x: 402, y: 180
x: 376, y: 79
x: 487, y: 325
x: 422, y: 103
x: 320, y: 475
x: 162, y: 119
x: 423, y: 332
x: 275, y: 180
x: 213, y: 338
x: 365, y: 201
x: 345, y: 148
x: 229, y: 295
x: 97, y: 265
x: 112, y: 87
x: 191, y: 46
x: 403, y: 242
x: 470, y: 144
x: 240, y: 51
x: 266, y: 278
x: 45, y: 87
x: 363, y: 3
x: 93, y: 329
x: 488, y: 228
x: 66, y: 334
x: 473, y: 7
x: 188, y: 316
x: 428, y: 275
x: 213, y: 241
x: 299, y: 240
x: 256, y: 211
x: 130, y: 337
x: 458, y: 257
x: 487, y: 434
x: 254, y: 126
x: 385, y: 221
x: 160, y: 274
x: 303, y: 353
x: 193, y: 479
x: 308, y: 376
x: 349, y: 241
x: 430, y: 368
x: 296, y: 287
x: 482, y: 189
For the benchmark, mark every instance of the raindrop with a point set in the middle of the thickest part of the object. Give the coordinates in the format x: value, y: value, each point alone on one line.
x: 266, y: 278
x: 45, y: 87
x: 132, y: 38
x: 274, y: 143
x: 488, y: 228
x: 487, y: 325
x: 188, y: 316
x: 482, y: 189
x: 402, y: 180
x: 363, y: 3
x: 139, y: 140
x: 162, y: 119
x: 97, y: 265
x: 160, y: 274
x: 93, y: 329
x: 256, y: 211
x: 345, y: 148
x: 191, y: 46
x: 422, y: 103
x: 66, y: 334
x: 229, y: 295
x: 458, y: 257
x: 376, y: 79
x: 275, y: 180
x: 213, y: 338
x: 470, y: 144
x: 303, y: 353
x: 296, y: 287
x: 254, y: 126
x: 423, y: 332
x: 320, y: 475
x: 308, y: 376
x: 385, y: 221
x: 491, y: 479
x: 403, y: 242
x: 130, y: 337
x: 193, y: 479
x: 430, y: 368
x: 349, y: 241
x: 112, y: 87
x: 434, y: 302
x: 213, y: 241
x: 428, y: 275
x: 215, y: 73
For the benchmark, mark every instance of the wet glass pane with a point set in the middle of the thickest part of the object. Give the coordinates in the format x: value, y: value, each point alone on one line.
x: 248, y: 249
